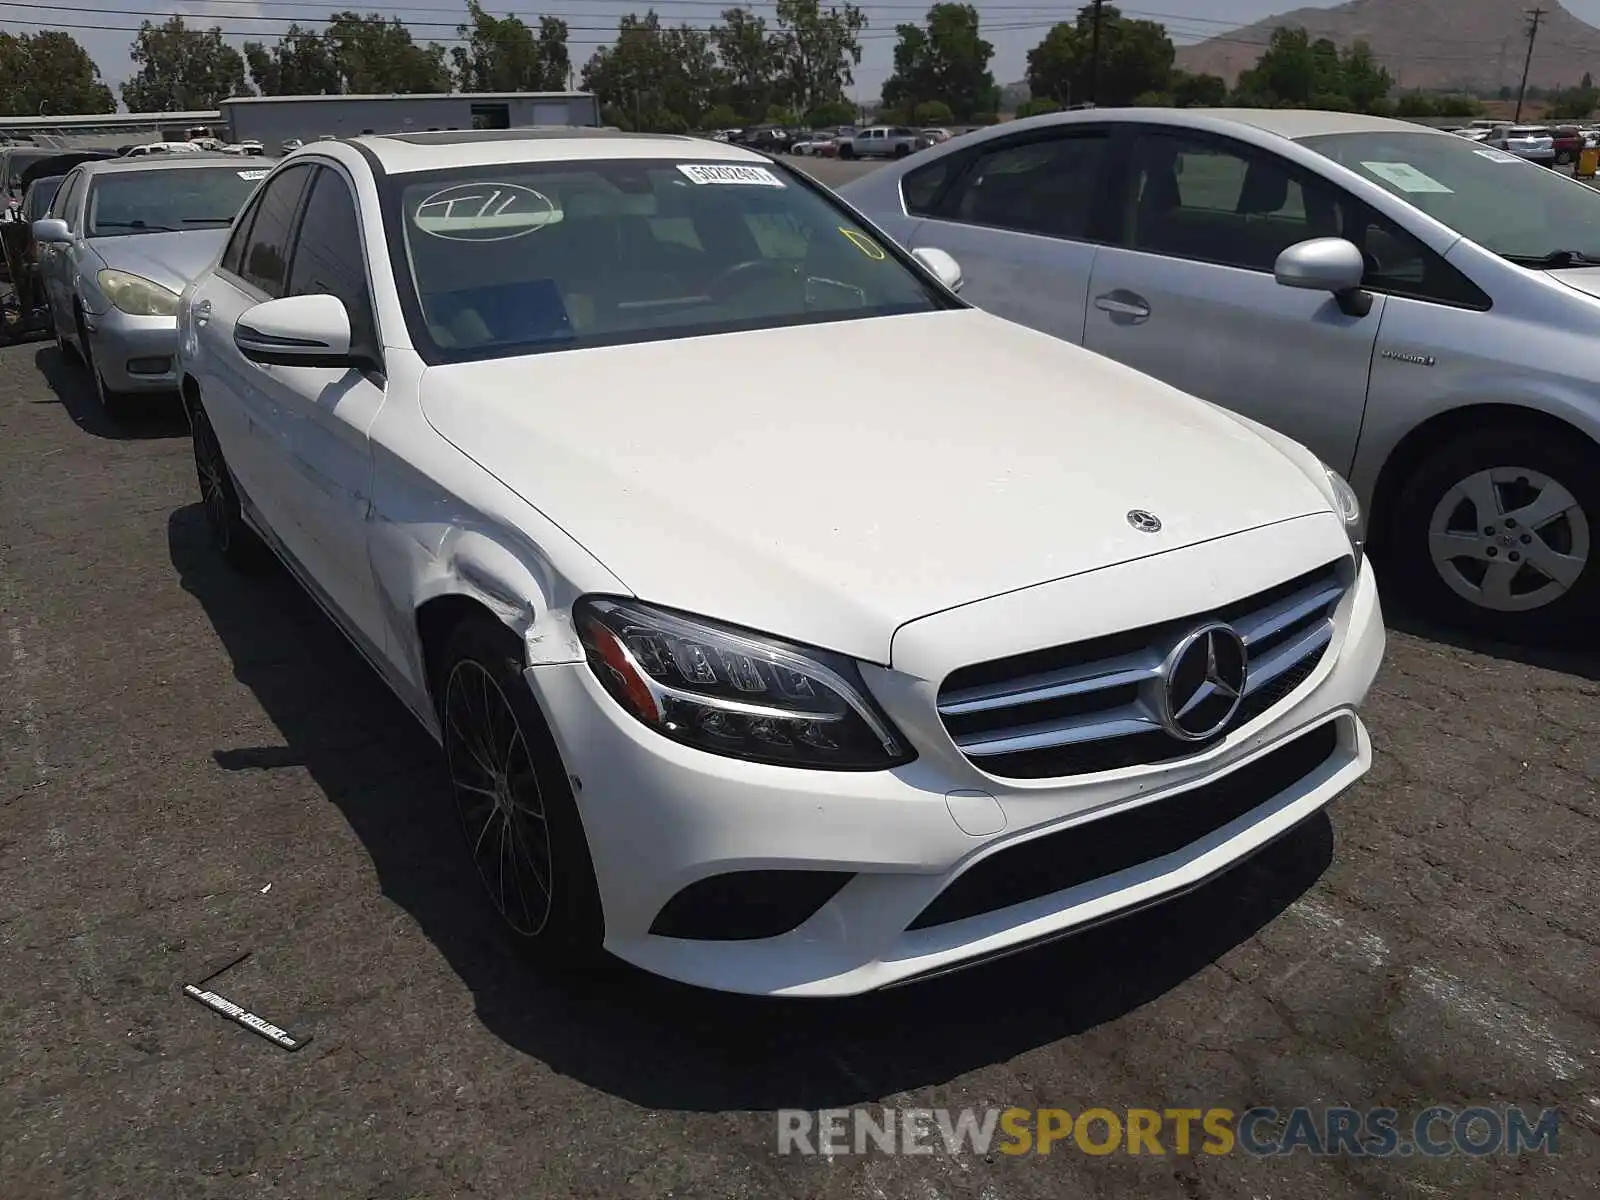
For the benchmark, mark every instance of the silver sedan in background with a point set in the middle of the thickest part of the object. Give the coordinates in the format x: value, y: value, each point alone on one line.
x: 122, y: 239
x: 1421, y: 311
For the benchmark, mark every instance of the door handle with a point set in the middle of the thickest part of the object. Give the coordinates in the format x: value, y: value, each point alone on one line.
x: 201, y: 312
x: 1123, y: 304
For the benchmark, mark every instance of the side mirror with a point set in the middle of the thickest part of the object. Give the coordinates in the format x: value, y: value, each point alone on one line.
x: 296, y: 331
x: 1326, y: 265
x: 945, y: 268
x: 51, y: 231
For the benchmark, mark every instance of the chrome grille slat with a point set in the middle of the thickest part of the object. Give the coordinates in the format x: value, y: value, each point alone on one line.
x: 1116, y: 722
x: 1273, y: 663
x: 1090, y: 711
x: 1053, y: 685
x: 1287, y: 612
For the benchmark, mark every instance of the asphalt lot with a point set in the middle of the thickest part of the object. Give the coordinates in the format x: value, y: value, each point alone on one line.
x: 193, y: 766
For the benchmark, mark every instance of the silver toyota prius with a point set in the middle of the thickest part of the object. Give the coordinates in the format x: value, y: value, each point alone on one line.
x: 121, y: 240
x: 1420, y: 310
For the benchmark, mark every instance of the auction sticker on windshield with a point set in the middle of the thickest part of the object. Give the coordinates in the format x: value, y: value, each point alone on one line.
x: 484, y: 212
x: 1405, y: 177
x: 252, y: 176
x: 1497, y: 156
x: 728, y: 173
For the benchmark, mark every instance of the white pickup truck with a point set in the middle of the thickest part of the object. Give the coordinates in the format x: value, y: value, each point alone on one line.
x: 884, y: 141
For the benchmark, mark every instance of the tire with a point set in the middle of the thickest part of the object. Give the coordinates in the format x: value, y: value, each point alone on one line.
x: 902, y: 150
x: 113, y: 403
x: 1522, y: 507
x: 846, y: 152
x: 514, y: 801
x: 233, y: 539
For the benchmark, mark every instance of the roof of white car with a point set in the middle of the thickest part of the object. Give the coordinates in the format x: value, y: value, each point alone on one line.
x: 403, y: 153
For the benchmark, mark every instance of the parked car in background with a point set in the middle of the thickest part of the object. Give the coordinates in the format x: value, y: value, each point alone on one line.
x: 1419, y: 310
x: 823, y: 143
x: 883, y: 141
x: 768, y: 139
x: 935, y: 136
x: 786, y: 740
x: 121, y: 240
x: 1568, y: 143
x: 1536, y: 143
x: 147, y: 149
x: 290, y: 145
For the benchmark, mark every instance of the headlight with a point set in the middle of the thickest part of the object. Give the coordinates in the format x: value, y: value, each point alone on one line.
x: 736, y: 693
x: 1346, y: 504
x: 136, y: 296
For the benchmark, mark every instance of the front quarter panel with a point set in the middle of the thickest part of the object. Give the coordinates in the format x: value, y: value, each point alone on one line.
x: 1533, y: 350
x: 442, y: 526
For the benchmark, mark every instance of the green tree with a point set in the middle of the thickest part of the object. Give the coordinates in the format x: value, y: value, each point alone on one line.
x: 1135, y: 58
x: 819, y: 51
x: 378, y: 55
x: 49, y: 72
x: 301, y: 63
x: 720, y: 116
x: 944, y: 60
x: 832, y: 112
x: 933, y: 112
x: 502, y: 54
x: 1198, y: 91
x: 1037, y: 108
x: 653, y: 78
x: 748, y: 57
x: 1366, y: 83
x: 182, y: 69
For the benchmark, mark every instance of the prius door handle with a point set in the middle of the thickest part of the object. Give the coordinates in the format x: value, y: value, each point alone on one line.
x: 1123, y: 304
x: 201, y: 312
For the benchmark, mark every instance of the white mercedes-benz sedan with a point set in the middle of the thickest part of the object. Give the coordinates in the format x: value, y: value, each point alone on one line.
x: 790, y: 626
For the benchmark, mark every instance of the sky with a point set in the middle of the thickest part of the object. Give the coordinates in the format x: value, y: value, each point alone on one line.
x: 106, y: 27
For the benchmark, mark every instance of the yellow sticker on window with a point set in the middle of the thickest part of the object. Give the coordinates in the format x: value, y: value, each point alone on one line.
x: 864, y: 244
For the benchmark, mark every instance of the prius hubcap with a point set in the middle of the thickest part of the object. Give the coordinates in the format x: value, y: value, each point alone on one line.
x: 1509, y: 539
x: 498, y: 798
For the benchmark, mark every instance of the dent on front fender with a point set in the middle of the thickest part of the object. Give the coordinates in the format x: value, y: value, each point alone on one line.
x: 417, y: 562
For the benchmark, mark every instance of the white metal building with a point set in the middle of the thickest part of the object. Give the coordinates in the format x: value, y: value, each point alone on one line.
x: 271, y: 120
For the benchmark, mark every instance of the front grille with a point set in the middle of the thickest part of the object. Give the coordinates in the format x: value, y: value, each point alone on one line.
x: 1091, y: 706
x: 1095, y: 849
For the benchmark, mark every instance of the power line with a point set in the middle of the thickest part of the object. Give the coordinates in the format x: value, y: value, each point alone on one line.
x: 1533, y: 32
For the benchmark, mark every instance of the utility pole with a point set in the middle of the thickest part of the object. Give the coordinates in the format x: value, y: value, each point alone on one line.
x: 1094, y: 58
x: 1536, y: 14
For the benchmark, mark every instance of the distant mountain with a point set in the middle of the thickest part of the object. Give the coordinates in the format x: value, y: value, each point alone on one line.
x: 1426, y: 43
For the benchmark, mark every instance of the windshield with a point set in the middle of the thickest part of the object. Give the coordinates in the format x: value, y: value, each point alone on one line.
x: 515, y: 259
x: 1515, y: 208
x: 162, y: 201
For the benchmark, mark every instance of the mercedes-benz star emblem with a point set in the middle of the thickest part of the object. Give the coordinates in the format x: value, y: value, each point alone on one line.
x: 1144, y: 522
x: 1202, y: 683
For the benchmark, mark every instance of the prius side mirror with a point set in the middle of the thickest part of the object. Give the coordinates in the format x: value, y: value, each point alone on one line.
x: 1326, y: 265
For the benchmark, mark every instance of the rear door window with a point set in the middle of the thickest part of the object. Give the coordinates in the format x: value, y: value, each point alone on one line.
x: 266, y: 262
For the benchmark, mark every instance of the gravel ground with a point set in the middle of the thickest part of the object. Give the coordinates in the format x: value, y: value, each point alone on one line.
x: 193, y: 767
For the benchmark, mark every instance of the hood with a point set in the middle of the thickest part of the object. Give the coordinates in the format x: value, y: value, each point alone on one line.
x: 831, y: 482
x: 1579, y: 279
x: 171, y: 259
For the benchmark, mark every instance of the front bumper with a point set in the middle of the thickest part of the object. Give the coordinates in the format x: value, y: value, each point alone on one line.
x: 134, y: 354
x: 660, y: 816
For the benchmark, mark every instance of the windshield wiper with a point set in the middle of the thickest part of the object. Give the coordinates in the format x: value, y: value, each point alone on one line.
x: 1555, y: 260
x: 134, y: 225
